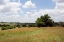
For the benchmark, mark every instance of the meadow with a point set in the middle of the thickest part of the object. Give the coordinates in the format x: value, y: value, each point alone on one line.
x: 33, y: 34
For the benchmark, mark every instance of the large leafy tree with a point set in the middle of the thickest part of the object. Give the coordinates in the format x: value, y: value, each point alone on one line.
x: 44, y: 21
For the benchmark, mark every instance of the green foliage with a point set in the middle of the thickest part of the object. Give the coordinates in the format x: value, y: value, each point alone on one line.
x: 6, y: 27
x: 18, y: 26
x: 24, y: 25
x: 28, y: 25
x: 11, y: 27
x: 14, y: 26
x: 44, y: 21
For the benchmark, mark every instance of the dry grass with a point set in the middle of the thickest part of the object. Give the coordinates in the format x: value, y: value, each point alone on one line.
x: 33, y: 34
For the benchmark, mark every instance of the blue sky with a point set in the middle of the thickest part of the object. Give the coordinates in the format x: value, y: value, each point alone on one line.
x: 42, y: 4
x: 30, y: 10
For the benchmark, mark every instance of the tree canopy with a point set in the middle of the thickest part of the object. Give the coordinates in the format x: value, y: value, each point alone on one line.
x: 44, y: 21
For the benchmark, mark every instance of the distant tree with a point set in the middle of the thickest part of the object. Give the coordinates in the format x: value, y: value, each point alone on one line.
x: 61, y: 24
x: 18, y: 26
x: 24, y: 25
x: 44, y: 21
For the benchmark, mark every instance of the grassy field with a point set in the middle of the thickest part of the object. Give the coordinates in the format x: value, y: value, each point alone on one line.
x: 34, y: 34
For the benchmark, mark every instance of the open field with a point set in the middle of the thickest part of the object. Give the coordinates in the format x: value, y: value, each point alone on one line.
x: 34, y: 34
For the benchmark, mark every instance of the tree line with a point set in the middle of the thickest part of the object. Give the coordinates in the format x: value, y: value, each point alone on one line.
x: 42, y: 21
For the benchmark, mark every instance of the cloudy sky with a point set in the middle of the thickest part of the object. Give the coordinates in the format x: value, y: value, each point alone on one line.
x: 30, y: 10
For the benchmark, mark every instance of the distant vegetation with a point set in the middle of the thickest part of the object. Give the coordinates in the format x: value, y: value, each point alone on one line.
x: 5, y: 27
x: 42, y: 21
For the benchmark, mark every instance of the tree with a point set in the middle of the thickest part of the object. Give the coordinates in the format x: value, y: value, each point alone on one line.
x: 61, y: 24
x: 18, y: 26
x: 44, y: 21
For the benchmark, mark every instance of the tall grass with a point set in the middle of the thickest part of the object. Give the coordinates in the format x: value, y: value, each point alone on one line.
x: 34, y: 34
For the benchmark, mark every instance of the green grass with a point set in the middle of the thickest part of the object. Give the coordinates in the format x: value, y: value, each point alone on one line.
x: 34, y: 34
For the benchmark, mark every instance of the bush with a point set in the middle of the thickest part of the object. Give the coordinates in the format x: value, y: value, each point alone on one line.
x: 18, y: 26
x: 14, y: 26
x: 23, y: 25
x: 7, y: 27
x: 4, y: 28
x: 10, y: 27
x: 28, y: 26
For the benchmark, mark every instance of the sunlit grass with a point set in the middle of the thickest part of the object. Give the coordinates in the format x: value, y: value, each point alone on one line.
x: 33, y: 34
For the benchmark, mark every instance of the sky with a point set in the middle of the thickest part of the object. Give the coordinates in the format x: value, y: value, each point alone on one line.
x: 30, y: 10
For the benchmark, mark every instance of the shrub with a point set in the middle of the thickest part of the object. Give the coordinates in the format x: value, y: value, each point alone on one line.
x: 18, y: 26
x: 23, y: 25
x: 4, y: 28
x: 7, y: 27
x: 10, y: 27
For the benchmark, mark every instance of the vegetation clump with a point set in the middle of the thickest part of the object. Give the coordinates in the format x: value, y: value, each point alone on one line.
x: 44, y: 21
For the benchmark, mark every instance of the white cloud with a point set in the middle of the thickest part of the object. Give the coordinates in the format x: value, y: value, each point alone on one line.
x: 9, y: 9
x: 59, y: 6
x: 59, y: 1
x: 57, y: 13
x: 14, y: 0
x: 2, y: 2
x: 33, y: 10
x: 28, y: 15
x: 21, y: 11
x: 29, y: 4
